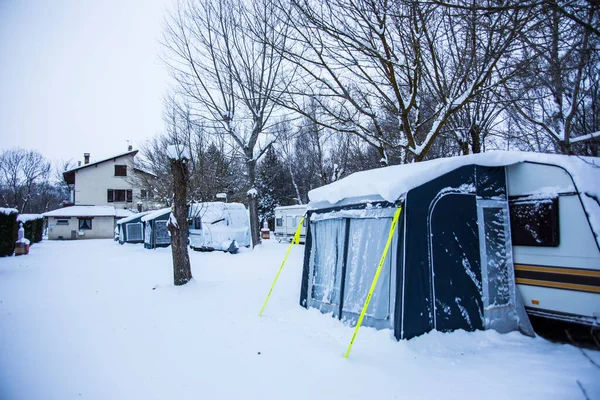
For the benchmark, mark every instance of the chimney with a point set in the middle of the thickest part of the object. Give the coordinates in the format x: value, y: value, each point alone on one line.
x: 79, y: 163
x: 86, y: 158
x: 129, y: 148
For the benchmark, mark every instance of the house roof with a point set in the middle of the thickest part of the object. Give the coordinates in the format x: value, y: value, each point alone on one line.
x: 88, y: 211
x: 69, y: 175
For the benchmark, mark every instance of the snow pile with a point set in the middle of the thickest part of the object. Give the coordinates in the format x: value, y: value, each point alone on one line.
x: 178, y: 152
x: 115, y: 327
x: 28, y: 217
x: 8, y: 211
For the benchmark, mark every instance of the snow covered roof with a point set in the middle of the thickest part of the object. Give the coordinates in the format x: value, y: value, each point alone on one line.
x: 390, y: 183
x: 8, y: 211
x: 88, y: 211
x: 155, y: 214
x: 69, y: 175
x: 132, y: 217
x: 213, y: 211
x: 294, y: 207
x: 29, y: 217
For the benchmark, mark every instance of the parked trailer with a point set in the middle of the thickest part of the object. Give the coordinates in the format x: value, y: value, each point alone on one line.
x: 287, y: 219
x: 218, y: 226
x: 556, y: 254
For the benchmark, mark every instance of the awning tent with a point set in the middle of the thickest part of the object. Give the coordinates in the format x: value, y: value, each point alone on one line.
x: 450, y: 261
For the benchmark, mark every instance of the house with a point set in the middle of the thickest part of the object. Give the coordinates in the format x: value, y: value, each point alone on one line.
x: 83, y: 222
x: 480, y: 239
x: 114, y: 181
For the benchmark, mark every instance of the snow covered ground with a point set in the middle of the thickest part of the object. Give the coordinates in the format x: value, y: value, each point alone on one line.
x: 96, y: 320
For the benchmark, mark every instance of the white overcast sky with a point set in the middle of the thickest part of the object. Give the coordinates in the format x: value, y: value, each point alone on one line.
x: 80, y: 75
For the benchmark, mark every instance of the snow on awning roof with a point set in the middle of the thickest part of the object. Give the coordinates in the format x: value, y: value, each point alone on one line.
x: 392, y: 182
x: 155, y: 214
x: 87, y: 211
x: 132, y: 217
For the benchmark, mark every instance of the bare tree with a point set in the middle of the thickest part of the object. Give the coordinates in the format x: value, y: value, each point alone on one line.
x: 22, y: 172
x: 557, y: 84
x: 219, y: 54
x: 418, y: 61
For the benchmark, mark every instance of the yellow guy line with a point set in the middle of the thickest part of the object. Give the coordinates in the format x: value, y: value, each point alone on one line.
x: 375, y: 279
x: 295, y: 240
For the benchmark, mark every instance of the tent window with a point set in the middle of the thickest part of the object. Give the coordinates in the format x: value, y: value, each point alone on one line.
x: 495, y: 249
x: 327, y: 259
x: 134, y: 231
x: 534, y: 222
x: 161, y: 232
x: 279, y: 222
x: 367, y: 240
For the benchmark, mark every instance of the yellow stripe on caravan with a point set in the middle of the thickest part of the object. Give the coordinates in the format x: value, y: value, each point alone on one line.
x: 557, y: 270
x: 558, y: 285
x: 295, y: 240
x: 375, y: 279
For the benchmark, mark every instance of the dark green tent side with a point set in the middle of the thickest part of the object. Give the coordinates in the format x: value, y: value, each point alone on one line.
x: 441, y: 276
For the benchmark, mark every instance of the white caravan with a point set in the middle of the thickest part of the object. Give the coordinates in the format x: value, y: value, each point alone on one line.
x: 218, y: 226
x: 555, y: 252
x: 287, y: 219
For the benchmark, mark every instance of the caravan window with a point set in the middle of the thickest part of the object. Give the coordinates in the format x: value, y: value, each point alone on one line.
x: 534, y: 222
x: 279, y: 222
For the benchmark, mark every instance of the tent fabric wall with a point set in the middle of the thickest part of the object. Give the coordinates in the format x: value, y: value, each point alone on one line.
x: 433, y: 277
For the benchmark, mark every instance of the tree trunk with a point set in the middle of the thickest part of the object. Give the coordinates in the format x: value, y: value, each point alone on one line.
x: 253, y: 204
x: 475, y: 132
x: 182, y: 272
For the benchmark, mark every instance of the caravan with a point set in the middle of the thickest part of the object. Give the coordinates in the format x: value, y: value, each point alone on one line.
x: 218, y: 226
x: 480, y: 240
x: 286, y: 222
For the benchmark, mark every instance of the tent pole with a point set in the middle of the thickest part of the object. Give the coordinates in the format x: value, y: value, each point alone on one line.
x: 375, y: 279
x: 295, y: 240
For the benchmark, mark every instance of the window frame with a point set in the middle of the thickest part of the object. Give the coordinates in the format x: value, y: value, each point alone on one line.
x: 120, y: 170
x: 85, y: 226
x: 520, y: 235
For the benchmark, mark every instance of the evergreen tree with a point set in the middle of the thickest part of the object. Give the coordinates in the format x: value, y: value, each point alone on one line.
x: 273, y: 183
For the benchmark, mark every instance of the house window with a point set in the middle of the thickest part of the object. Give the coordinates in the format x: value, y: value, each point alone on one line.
x: 62, y: 222
x: 534, y: 222
x: 143, y: 194
x: 120, y: 170
x: 119, y: 195
x: 85, y: 223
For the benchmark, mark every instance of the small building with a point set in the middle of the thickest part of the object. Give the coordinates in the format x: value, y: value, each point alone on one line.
x: 287, y: 219
x: 131, y: 229
x: 479, y: 240
x: 156, y: 232
x: 218, y: 226
x: 83, y: 222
